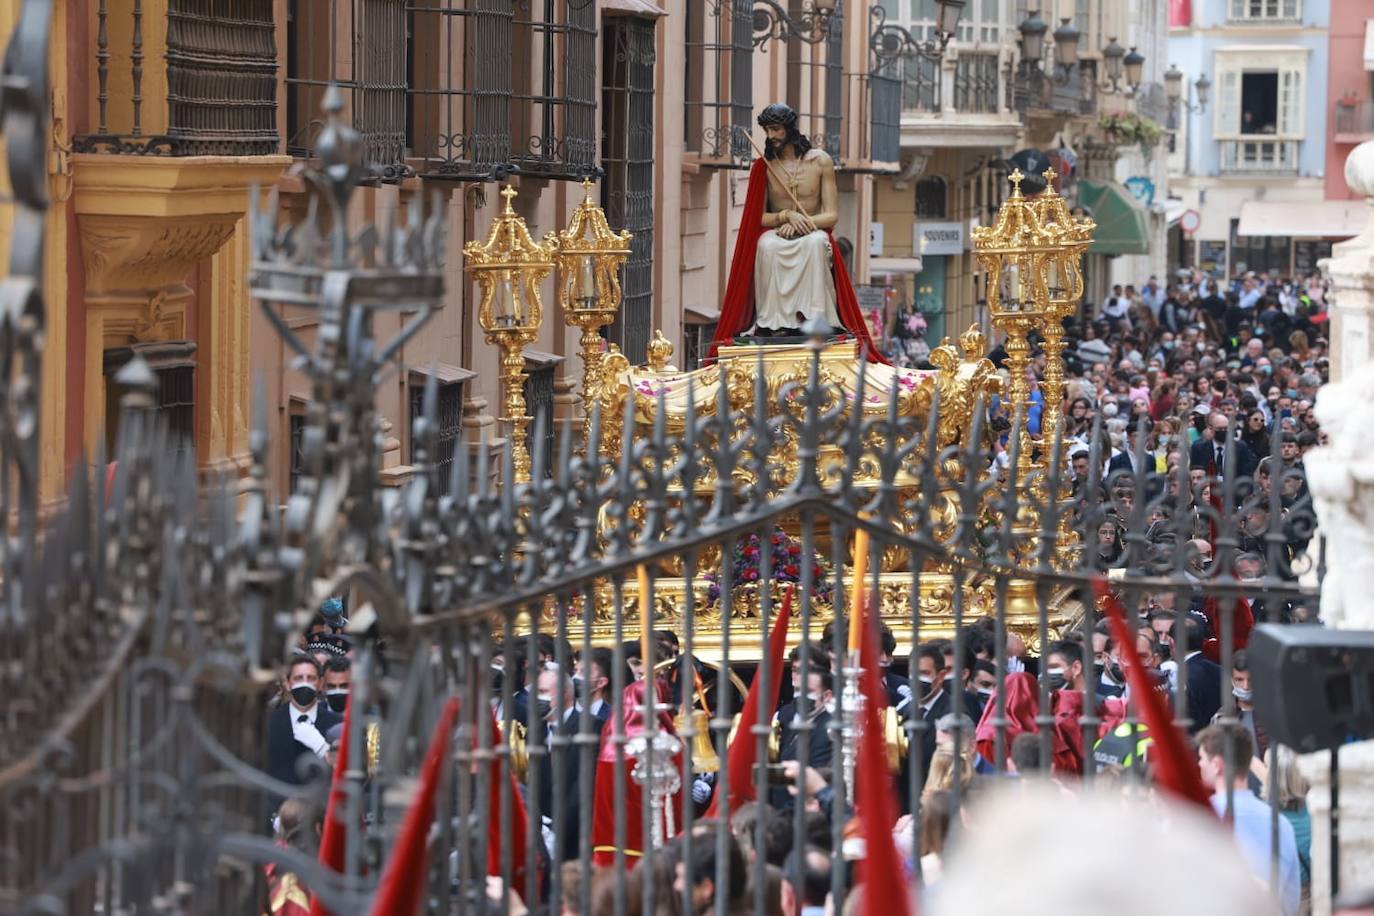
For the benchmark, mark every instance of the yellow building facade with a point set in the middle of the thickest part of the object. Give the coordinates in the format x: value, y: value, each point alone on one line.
x: 168, y: 115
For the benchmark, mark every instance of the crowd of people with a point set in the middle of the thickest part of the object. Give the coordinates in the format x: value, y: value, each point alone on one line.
x: 1200, y: 392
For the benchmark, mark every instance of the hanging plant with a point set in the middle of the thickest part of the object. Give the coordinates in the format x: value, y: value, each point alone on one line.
x: 1132, y: 128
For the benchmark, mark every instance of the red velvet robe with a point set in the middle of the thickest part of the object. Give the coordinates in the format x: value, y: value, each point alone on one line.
x: 603, y: 807
x: 737, y: 311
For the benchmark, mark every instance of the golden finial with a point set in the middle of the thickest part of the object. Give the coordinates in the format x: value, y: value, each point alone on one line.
x: 1016, y: 177
x: 587, y: 185
x: 660, y: 350
x: 509, y: 194
x: 1050, y: 176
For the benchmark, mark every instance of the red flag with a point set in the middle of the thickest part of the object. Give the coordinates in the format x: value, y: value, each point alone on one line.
x: 881, y: 871
x: 403, y: 882
x: 332, y: 844
x: 1174, y: 765
x: 1180, y: 14
x: 744, y: 749
x: 519, y: 820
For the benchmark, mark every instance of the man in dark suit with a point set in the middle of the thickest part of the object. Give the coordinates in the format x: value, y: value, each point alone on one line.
x: 1203, y: 675
x: 297, y: 728
x: 1209, y: 451
x: 564, y: 763
x: 820, y: 692
x: 898, y: 687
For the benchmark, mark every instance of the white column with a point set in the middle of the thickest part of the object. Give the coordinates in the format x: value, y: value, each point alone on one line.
x: 1351, y: 271
x: 1341, y: 478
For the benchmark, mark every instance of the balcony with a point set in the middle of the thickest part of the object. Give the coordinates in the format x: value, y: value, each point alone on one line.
x: 957, y: 102
x: 1258, y: 156
x: 1264, y: 12
x: 216, y: 94
x: 1354, y: 121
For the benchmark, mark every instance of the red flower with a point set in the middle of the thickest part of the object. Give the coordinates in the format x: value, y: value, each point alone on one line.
x: 791, y: 569
x: 794, y: 550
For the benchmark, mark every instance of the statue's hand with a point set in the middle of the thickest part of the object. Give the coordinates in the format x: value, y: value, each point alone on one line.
x: 799, y: 223
x: 786, y: 231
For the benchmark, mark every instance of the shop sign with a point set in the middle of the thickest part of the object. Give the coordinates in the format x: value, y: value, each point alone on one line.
x: 939, y: 238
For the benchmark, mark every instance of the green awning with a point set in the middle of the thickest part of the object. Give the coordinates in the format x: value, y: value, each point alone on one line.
x: 1122, y: 227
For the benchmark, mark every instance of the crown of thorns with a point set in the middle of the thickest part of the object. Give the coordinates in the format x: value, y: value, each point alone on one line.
x: 778, y: 113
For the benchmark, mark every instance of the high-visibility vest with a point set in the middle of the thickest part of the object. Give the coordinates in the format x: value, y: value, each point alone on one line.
x: 1126, y: 746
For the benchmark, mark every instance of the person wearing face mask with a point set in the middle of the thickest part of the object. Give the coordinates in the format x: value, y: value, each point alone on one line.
x: 899, y: 692
x: 338, y: 682
x: 297, y: 728
x: 1110, y: 679
x: 1245, y: 702
x: 816, y: 712
x: 556, y: 722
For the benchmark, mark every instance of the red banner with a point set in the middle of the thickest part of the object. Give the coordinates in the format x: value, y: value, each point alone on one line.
x: 1180, y: 13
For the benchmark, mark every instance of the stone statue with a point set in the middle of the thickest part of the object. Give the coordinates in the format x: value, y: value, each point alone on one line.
x: 787, y: 269
x: 792, y: 281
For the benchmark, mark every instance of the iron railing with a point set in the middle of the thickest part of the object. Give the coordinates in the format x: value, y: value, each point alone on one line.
x: 1258, y: 155
x: 977, y: 83
x: 171, y: 603
x: 1355, y: 118
x: 221, y: 65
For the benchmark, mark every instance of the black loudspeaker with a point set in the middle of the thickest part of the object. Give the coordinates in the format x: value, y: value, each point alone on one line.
x: 1314, y: 687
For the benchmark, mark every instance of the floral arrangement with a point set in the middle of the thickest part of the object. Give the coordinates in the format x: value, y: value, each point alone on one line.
x: 1132, y: 128
x: 787, y: 565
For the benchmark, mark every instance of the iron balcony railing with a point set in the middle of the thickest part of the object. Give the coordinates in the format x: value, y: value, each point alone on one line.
x: 1259, y: 155
x: 1355, y: 118
x: 220, y: 76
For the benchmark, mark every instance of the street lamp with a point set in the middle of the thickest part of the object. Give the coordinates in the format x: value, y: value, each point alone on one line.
x: 1033, y: 30
x: 1173, y: 85
x: 509, y: 267
x: 1124, y: 70
x: 1066, y: 44
x: 888, y: 42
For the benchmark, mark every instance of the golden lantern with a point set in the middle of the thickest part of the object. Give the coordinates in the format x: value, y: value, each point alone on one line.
x: 590, y: 256
x: 1032, y: 256
x: 509, y: 268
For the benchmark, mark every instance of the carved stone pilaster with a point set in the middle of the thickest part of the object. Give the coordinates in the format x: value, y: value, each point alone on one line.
x: 1340, y: 475
x: 1351, y: 272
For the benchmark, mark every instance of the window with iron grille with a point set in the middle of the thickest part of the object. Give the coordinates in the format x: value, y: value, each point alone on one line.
x: 174, y: 364
x: 976, y: 83
x: 502, y: 82
x: 920, y: 83
x: 1265, y: 10
x: 932, y: 198
x: 885, y: 125
x: 360, y: 47
x: 816, y: 72
x: 696, y: 341
x: 296, y: 463
x: 448, y: 419
x: 221, y: 80
x: 719, y: 74
x: 539, y: 407
x: 627, y: 153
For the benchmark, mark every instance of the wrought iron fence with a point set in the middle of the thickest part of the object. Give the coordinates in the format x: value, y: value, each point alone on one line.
x: 221, y: 80
x: 142, y: 623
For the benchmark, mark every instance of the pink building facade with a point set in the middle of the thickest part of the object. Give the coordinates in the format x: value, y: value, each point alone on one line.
x: 1350, y: 89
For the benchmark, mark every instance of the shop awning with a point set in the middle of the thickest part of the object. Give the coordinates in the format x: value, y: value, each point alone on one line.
x: 1122, y: 226
x: 1321, y: 219
x: 1174, y: 210
x: 894, y: 265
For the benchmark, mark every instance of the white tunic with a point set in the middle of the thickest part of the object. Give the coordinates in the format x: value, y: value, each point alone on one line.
x: 792, y: 276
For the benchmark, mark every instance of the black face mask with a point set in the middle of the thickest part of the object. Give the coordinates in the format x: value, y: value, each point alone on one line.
x: 303, y: 695
x: 1098, y: 668
x: 1056, y: 680
x: 1117, y: 674
x: 1165, y: 651
x: 337, y: 699
x: 542, y: 709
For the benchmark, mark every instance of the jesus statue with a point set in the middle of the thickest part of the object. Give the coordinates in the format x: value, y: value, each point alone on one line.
x: 786, y: 270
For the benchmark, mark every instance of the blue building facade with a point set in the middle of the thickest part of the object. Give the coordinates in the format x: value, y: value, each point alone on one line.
x: 1257, y: 149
